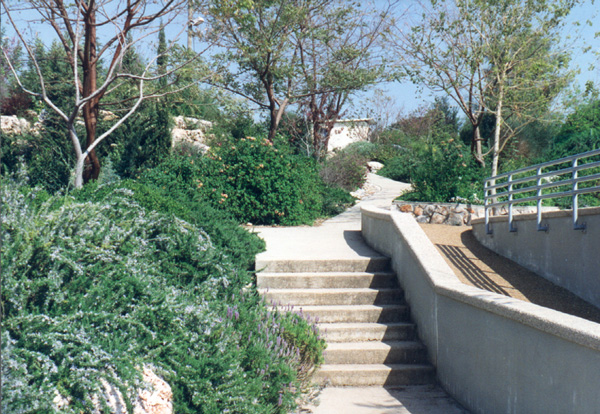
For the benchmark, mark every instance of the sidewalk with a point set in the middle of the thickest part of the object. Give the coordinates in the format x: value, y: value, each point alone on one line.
x: 340, y: 238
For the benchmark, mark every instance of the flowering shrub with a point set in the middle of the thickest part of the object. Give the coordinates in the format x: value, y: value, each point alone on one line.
x: 95, y: 290
x: 238, y: 245
x: 249, y: 178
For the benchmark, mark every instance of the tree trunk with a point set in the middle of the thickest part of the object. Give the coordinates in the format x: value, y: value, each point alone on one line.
x: 496, y: 149
x: 90, y: 109
x: 478, y: 151
x: 476, y: 148
x: 190, y: 34
x: 274, y: 122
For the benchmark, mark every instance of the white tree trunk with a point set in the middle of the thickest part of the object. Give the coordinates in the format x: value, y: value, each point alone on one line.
x: 78, y: 182
x: 496, y: 149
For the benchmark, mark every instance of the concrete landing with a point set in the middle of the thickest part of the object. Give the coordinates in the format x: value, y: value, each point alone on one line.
x: 338, y: 238
x: 418, y: 399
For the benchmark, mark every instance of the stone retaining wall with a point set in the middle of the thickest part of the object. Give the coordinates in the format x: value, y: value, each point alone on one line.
x: 455, y: 214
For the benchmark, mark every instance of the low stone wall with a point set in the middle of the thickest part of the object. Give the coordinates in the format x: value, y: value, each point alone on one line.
x: 440, y: 213
x: 493, y: 353
x: 454, y: 214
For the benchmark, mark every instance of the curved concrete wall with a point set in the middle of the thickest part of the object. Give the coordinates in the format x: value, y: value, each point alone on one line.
x: 494, y: 354
x: 566, y: 257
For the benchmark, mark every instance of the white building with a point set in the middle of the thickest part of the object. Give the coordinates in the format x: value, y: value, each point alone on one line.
x: 347, y: 131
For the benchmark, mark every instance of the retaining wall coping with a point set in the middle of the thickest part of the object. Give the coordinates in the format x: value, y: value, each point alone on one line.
x: 588, y: 211
x: 444, y: 282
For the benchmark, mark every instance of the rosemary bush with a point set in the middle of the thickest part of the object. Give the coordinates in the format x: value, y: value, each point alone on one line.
x: 95, y: 290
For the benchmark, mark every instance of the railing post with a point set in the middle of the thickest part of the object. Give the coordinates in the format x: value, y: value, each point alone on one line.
x: 511, y: 227
x: 576, y: 225
x: 488, y: 227
x: 539, y: 202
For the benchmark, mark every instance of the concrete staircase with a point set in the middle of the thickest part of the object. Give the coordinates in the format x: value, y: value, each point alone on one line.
x: 362, y: 313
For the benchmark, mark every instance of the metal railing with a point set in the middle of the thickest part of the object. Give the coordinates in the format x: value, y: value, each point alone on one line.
x: 542, y: 182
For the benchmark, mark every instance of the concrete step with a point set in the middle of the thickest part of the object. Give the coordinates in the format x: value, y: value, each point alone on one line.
x: 363, y: 375
x: 326, y: 280
x: 364, y: 264
x: 362, y: 332
x: 299, y: 297
x: 399, y: 352
x: 356, y: 313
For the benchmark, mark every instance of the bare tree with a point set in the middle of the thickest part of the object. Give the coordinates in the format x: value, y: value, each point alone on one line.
x: 91, y: 32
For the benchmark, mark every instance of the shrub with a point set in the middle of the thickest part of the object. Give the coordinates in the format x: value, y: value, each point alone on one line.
x: 48, y: 156
x: 344, y: 169
x: 145, y: 138
x: 251, y: 179
x: 335, y: 201
x: 445, y: 171
x: 96, y: 290
x: 398, y: 168
x: 227, y: 236
x: 363, y: 149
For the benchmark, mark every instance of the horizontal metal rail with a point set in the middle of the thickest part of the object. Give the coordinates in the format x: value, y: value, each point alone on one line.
x: 535, y: 184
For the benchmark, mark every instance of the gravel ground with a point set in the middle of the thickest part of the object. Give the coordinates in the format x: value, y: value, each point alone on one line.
x: 478, y: 266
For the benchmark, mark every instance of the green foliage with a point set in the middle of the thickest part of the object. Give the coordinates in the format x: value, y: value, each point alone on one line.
x: 444, y: 173
x: 95, y: 290
x: 48, y: 156
x: 399, y: 168
x: 335, y: 200
x: 250, y: 178
x: 145, y: 138
x: 56, y: 72
x: 239, y: 246
x: 579, y: 133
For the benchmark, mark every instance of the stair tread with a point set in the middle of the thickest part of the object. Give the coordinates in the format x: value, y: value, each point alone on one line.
x: 372, y: 367
x: 329, y: 290
x: 372, y: 345
x: 362, y: 325
x: 331, y: 274
x: 347, y: 307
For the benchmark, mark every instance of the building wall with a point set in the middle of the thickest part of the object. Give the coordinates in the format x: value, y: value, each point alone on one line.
x: 345, y: 133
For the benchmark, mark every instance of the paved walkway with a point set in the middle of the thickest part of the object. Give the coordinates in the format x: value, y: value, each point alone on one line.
x: 339, y: 238
x: 478, y: 266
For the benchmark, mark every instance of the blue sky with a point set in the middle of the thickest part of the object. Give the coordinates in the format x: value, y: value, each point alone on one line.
x: 404, y: 97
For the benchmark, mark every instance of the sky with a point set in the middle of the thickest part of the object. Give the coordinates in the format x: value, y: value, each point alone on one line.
x: 408, y: 97
x: 405, y: 97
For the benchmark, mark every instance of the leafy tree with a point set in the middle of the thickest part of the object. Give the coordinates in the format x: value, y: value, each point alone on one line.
x: 280, y: 52
x: 499, y: 57
x: 579, y: 133
x: 341, y: 51
x: 527, y: 63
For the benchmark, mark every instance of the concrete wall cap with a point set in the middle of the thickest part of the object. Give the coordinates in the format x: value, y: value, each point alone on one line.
x: 588, y: 211
x: 444, y: 281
